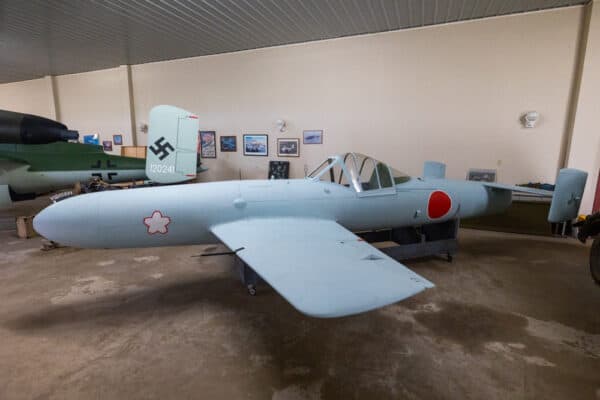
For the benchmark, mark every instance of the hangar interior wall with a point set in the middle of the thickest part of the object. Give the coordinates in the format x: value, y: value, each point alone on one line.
x: 32, y: 97
x: 96, y: 102
x: 452, y: 93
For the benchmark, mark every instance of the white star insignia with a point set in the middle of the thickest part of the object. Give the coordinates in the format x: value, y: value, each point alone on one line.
x: 157, y: 223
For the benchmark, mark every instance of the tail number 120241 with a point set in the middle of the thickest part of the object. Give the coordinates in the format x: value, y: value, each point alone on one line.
x: 162, y: 169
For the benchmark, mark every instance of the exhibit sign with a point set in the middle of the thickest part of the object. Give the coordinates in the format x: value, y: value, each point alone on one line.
x: 208, y: 144
x: 107, y: 145
x: 118, y: 140
x: 256, y: 145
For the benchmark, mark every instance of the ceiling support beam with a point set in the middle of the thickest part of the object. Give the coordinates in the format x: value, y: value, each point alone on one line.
x: 52, y: 96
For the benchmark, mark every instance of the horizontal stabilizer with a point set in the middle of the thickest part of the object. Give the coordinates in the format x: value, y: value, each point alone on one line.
x: 566, y: 196
x: 519, y: 189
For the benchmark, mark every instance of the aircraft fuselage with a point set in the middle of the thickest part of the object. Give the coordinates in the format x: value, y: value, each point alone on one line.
x: 183, y: 215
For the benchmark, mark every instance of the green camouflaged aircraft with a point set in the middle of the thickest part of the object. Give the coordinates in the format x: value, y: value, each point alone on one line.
x: 28, y: 170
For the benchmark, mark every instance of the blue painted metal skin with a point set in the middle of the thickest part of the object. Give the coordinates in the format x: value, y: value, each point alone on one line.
x: 295, y: 233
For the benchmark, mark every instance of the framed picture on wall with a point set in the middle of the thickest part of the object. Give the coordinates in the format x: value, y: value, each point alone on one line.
x: 91, y: 139
x: 107, y: 145
x: 312, y: 137
x: 288, y: 147
x: 208, y: 144
x: 228, y: 143
x: 482, y: 175
x: 256, y: 145
x: 118, y: 140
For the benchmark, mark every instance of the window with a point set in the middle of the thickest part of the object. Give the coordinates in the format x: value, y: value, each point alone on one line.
x: 369, y: 177
x: 323, y: 172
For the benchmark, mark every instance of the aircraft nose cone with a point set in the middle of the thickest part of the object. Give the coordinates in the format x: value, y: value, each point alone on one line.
x: 68, y: 221
x: 46, y: 222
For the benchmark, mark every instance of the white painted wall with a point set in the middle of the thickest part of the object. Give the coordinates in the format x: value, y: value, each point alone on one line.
x: 96, y: 102
x: 31, y: 97
x: 584, y: 151
x: 452, y: 93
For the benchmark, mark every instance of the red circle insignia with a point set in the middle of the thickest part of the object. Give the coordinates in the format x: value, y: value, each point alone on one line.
x: 439, y: 204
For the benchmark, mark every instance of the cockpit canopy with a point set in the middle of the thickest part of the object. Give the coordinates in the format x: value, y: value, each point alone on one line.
x: 358, y: 171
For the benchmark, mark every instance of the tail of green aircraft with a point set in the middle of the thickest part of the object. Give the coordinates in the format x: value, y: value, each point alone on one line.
x: 27, y: 170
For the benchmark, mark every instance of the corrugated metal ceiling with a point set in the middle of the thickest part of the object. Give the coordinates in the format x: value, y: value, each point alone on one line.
x: 54, y: 37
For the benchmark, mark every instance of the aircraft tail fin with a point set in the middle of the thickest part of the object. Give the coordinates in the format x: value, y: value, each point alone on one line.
x: 567, y: 195
x: 172, y: 145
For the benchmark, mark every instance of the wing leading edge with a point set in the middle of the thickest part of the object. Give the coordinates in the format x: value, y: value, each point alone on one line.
x: 321, y: 268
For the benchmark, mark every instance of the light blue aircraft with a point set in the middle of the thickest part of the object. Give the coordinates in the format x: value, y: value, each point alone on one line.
x: 297, y: 234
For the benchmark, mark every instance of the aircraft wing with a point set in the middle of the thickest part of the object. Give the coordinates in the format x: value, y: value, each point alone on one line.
x: 321, y: 268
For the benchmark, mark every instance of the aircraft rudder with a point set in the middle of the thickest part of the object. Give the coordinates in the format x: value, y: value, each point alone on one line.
x: 172, y: 145
x: 568, y: 193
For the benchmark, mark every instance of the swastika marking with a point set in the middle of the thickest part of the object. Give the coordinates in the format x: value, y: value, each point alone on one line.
x: 160, y: 149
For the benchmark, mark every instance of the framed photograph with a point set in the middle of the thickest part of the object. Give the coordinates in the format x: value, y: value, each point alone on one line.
x: 312, y: 137
x: 107, y: 145
x: 288, y: 147
x: 91, y: 139
x: 482, y: 175
x: 208, y: 144
x: 228, y: 143
x: 279, y: 170
x: 256, y: 145
x: 118, y: 140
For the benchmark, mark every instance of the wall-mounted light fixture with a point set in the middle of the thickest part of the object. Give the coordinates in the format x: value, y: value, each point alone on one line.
x: 530, y: 118
x: 281, y: 125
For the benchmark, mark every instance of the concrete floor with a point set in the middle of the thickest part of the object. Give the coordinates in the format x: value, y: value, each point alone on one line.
x: 514, y: 317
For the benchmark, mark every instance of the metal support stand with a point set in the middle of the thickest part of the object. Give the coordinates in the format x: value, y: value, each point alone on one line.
x: 422, y: 241
x: 248, y: 276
